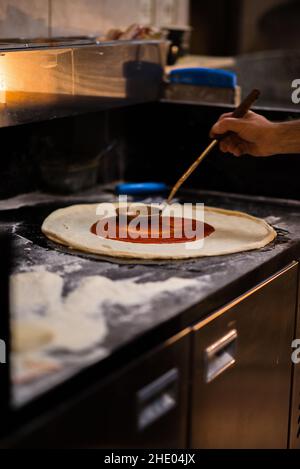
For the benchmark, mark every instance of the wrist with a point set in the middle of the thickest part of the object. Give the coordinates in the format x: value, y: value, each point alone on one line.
x: 279, y: 138
x: 286, y: 137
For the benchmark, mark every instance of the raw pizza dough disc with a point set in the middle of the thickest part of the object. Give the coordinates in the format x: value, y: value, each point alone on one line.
x: 234, y: 232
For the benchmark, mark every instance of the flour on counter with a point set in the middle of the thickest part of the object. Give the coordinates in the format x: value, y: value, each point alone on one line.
x: 70, y: 268
x: 272, y: 220
x: 34, y: 293
x: 34, y: 198
x: 39, y: 295
x: 77, y: 320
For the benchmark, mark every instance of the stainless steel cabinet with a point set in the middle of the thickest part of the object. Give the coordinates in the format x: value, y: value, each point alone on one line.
x: 225, y: 383
x: 294, y: 440
x: 143, y: 406
x: 242, y: 369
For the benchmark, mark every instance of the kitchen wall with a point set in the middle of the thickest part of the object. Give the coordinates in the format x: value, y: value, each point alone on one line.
x: 251, y: 38
x: 36, y: 18
x: 232, y: 27
x: 20, y: 18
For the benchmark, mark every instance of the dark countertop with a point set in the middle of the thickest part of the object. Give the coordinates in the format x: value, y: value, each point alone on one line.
x: 141, y: 305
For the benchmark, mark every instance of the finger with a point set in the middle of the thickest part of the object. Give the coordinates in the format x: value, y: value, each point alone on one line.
x: 225, y: 125
x: 227, y: 143
x: 223, y: 146
x: 227, y: 122
x: 249, y: 115
x: 235, y: 145
x: 222, y: 116
x: 225, y: 115
x: 238, y: 149
x: 242, y: 145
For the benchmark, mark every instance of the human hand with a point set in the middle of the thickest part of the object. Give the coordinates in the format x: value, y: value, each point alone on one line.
x: 253, y: 135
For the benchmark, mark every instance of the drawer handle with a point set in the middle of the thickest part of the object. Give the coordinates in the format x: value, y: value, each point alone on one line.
x: 220, y: 356
x: 157, y: 399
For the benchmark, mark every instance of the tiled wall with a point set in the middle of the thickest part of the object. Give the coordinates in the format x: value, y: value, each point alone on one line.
x: 34, y: 18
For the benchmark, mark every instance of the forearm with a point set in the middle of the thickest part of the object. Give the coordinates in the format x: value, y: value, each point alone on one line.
x: 257, y: 136
x: 287, y: 137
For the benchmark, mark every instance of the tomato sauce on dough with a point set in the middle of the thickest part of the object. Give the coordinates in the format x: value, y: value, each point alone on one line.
x: 167, y: 231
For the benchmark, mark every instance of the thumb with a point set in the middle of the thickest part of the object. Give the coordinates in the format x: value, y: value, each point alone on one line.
x: 226, y: 125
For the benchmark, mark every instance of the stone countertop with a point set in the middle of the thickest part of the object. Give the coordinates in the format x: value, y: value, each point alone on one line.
x: 133, y: 302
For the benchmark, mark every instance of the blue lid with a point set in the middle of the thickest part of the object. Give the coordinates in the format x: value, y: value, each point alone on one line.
x: 215, y: 78
x: 141, y: 188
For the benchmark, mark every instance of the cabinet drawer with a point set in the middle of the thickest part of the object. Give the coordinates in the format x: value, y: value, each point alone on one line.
x: 142, y: 406
x: 294, y: 442
x: 242, y: 369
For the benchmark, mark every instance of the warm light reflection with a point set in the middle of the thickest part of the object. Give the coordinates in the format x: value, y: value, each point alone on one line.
x: 3, y: 86
x: 2, y: 90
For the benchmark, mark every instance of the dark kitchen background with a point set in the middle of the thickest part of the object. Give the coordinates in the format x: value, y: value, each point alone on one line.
x: 222, y: 27
x: 251, y: 37
x: 79, y: 114
x: 256, y: 39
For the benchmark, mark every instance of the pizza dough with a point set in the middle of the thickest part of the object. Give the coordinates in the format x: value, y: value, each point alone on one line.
x: 234, y: 232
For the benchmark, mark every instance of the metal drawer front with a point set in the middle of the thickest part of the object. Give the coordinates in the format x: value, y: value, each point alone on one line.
x: 242, y: 369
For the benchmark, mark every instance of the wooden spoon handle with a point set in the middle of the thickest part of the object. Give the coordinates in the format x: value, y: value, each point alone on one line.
x: 241, y: 110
